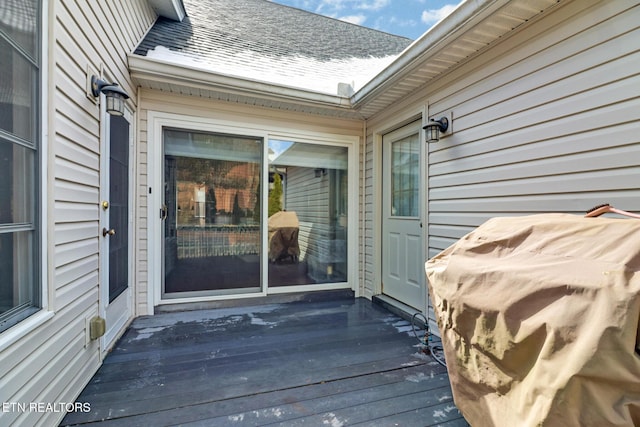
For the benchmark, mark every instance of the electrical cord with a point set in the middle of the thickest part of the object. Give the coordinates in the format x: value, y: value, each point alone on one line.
x: 429, y: 346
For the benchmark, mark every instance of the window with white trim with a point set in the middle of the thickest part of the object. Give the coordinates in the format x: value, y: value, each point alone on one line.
x: 20, y: 278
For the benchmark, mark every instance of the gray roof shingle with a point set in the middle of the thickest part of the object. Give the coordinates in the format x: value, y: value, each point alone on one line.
x: 257, y: 37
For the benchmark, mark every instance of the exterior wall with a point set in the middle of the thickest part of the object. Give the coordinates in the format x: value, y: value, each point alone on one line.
x: 252, y: 119
x: 46, y: 358
x: 546, y: 120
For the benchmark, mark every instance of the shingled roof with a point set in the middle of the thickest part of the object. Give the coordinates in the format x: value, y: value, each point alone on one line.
x: 268, y: 42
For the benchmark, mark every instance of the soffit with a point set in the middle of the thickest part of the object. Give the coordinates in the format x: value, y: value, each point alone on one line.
x: 469, y: 30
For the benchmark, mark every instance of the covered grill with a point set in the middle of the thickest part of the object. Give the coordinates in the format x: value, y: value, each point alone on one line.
x: 283, y: 236
x: 539, y: 320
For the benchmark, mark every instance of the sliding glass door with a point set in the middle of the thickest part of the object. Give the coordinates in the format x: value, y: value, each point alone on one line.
x: 212, y: 237
x: 217, y: 238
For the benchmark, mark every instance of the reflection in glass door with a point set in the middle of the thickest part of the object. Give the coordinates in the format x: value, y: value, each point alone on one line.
x: 212, y: 236
x: 307, y: 213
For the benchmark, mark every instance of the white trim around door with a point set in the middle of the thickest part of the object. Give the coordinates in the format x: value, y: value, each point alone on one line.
x: 379, y: 130
x: 158, y: 121
x: 116, y: 306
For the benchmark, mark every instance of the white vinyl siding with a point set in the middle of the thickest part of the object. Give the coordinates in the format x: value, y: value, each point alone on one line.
x: 549, y: 125
x: 546, y: 120
x: 52, y: 362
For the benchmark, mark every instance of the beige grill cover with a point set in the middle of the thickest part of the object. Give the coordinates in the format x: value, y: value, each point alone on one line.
x: 283, y: 236
x: 539, y: 319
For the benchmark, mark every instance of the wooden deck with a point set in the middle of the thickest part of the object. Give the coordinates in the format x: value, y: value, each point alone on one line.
x: 334, y: 363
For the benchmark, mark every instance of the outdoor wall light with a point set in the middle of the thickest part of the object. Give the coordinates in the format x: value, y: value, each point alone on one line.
x: 114, y: 94
x: 320, y: 172
x: 434, y: 127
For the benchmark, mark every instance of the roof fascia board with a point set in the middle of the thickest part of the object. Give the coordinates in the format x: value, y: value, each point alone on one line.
x: 171, y: 9
x: 144, y: 68
x: 468, y: 14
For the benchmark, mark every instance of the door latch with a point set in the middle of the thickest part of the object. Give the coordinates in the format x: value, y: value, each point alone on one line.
x: 109, y: 232
x: 164, y: 211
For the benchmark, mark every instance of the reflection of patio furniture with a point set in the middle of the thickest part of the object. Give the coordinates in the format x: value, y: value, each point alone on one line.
x: 283, y: 236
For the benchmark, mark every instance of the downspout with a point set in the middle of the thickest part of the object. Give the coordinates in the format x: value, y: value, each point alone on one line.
x: 150, y: 293
x: 425, y: 219
x: 363, y: 186
x: 135, y: 207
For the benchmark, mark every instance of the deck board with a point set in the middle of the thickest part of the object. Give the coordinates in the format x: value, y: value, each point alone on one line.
x: 339, y: 362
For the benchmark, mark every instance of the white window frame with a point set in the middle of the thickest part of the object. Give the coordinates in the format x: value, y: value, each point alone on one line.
x: 18, y: 331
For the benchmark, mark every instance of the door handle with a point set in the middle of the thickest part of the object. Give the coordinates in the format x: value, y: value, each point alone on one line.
x: 106, y: 232
x: 164, y: 211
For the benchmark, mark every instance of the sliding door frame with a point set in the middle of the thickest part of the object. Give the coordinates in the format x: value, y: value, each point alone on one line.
x: 158, y: 121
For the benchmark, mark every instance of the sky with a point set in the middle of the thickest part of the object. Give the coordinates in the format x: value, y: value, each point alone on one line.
x: 408, y: 18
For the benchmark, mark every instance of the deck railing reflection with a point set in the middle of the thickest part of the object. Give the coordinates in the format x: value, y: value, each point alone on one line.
x: 217, y: 240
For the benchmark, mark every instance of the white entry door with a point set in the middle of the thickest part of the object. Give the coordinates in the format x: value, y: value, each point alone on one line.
x: 403, y: 276
x: 115, y: 227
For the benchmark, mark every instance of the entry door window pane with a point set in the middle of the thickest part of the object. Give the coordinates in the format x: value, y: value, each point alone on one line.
x: 405, y: 177
x: 307, y: 213
x: 212, y: 229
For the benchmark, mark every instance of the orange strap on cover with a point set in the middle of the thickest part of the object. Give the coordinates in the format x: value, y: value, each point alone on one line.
x: 607, y: 208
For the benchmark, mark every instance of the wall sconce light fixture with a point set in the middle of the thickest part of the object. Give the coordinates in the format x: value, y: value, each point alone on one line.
x: 114, y: 95
x: 320, y: 172
x: 434, y: 127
